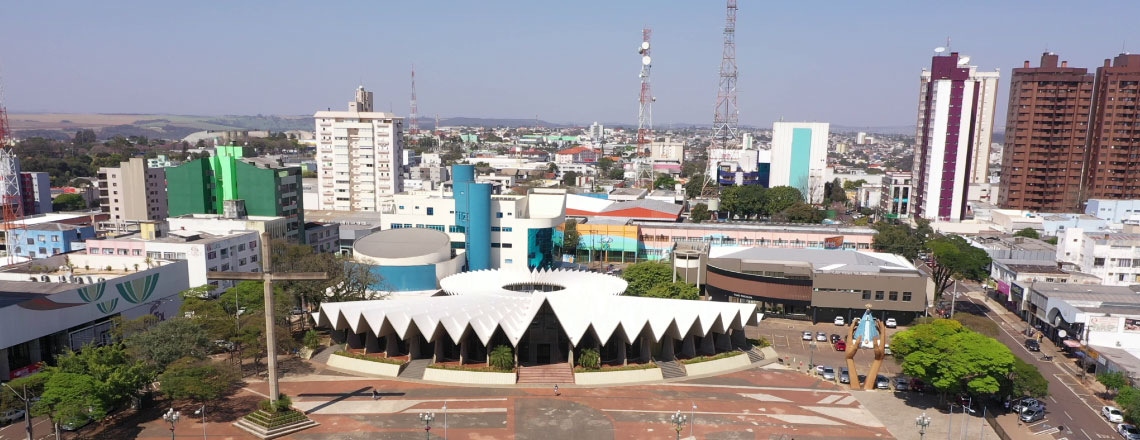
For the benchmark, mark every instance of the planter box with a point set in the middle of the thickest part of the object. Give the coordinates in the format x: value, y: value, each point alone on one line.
x: 362, y: 366
x: 469, y: 377
x: 618, y: 377
x: 718, y: 366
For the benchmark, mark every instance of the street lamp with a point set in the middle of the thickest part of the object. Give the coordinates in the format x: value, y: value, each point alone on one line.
x: 427, y: 418
x: 811, y: 359
x: 922, y: 422
x: 26, y: 398
x: 678, y: 422
x: 202, y: 411
x: 172, y: 417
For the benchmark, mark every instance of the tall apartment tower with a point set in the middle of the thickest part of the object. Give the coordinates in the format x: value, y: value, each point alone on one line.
x: 132, y: 192
x: 1113, y: 170
x: 1045, y: 136
x: 359, y: 156
x: 955, y: 121
x: 799, y: 157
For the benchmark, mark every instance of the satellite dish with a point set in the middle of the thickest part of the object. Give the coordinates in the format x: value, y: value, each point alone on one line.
x: 645, y: 60
x: 962, y: 61
x: 939, y: 49
x: 644, y: 45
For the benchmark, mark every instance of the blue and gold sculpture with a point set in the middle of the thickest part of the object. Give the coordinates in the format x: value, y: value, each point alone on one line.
x: 866, y: 331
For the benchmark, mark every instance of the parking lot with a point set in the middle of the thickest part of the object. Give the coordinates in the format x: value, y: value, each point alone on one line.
x: 786, y: 337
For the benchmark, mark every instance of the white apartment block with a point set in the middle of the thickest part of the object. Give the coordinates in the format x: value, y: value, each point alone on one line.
x: 133, y: 192
x: 359, y: 156
x: 799, y: 157
x: 1114, y: 257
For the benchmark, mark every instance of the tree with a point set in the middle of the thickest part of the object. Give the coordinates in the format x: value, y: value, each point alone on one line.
x: 502, y: 358
x: 674, y: 290
x: 169, y: 341
x: 780, y: 198
x: 1026, y: 380
x: 84, y: 137
x: 616, y: 173
x: 33, y: 383
x: 71, y: 396
x: 570, y: 237
x: 954, y: 258
x: 589, y: 359
x: 952, y: 358
x: 1112, y: 381
x: 194, y: 379
x: 664, y: 181
x: 117, y: 375
x: 853, y: 184
x: 899, y: 239
x: 605, y: 164
x: 700, y: 213
x: 570, y: 178
x: 644, y: 276
x: 836, y: 193
x: 695, y: 185
x: 1027, y: 232
x: 744, y: 201
x: 802, y: 213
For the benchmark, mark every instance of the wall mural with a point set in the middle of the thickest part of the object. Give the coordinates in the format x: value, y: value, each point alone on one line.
x: 139, y: 289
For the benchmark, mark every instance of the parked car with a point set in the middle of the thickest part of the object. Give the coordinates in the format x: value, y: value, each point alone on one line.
x: 840, y: 346
x: 1113, y: 414
x: 1129, y: 432
x: 1032, y: 414
x: 887, y: 350
x: 839, y: 320
x: 891, y: 323
x: 918, y: 385
x: 75, y: 424
x: 807, y: 336
x: 819, y: 370
x: 835, y: 338
x: 821, y: 337
x: 902, y: 383
x: 11, y: 416
x: 1020, y: 405
x: 882, y: 383
x: 844, y: 375
x: 1032, y: 345
x: 297, y: 311
x: 828, y: 373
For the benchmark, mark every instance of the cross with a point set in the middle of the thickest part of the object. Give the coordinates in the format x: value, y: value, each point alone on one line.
x: 267, y: 276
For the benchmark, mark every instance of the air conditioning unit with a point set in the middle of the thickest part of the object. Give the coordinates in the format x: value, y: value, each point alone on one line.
x: 45, y: 278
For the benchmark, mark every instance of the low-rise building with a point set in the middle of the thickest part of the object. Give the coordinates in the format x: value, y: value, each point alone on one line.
x: 1013, y: 278
x: 576, y: 155
x: 323, y: 237
x: 1000, y: 246
x: 1114, y: 257
x: 46, y: 239
x: 1113, y: 210
x: 236, y: 251
x: 895, y: 198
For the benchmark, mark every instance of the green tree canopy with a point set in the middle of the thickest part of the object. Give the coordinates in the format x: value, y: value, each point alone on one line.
x: 1112, y: 381
x: 169, y: 341
x: 1026, y: 380
x: 853, y: 184
x: 570, y: 236
x: 1027, y: 232
x: 744, y: 201
x: 700, y: 213
x: 901, y: 239
x: 194, y: 379
x: 952, y: 358
x: 71, y: 396
x: 570, y: 178
x: 780, y: 198
x: 664, y: 181
x: 674, y: 290
x: 642, y: 277
x: 954, y: 258
x: 695, y: 185
x: 803, y: 213
x: 68, y: 202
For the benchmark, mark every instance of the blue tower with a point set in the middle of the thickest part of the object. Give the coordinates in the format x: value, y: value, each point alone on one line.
x: 473, y: 214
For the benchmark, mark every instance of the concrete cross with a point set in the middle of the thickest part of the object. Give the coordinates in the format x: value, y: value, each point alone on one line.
x: 267, y: 276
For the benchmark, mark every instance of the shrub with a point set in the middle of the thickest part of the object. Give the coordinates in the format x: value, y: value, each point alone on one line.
x: 283, y: 403
x: 759, y: 342
x: 502, y: 358
x: 311, y: 339
x: 364, y: 357
x: 604, y: 369
x: 589, y: 359
x: 714, y: 357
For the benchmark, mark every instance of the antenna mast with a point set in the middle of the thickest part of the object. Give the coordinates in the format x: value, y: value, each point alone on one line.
x: 727, y: 114
x: 645, y: 110
x: 12, y: 211
x: 413, y: 125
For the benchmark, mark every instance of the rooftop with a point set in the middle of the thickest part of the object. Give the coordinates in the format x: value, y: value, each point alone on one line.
x: 401, y: 243
x: 781, y: 227
x: 1089, y: 292
x: 53, y: 227
x: 821, y: 260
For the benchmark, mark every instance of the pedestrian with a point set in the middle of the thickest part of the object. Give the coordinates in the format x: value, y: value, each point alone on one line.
x: 556, y: 392
x: 375, y: 394
x: 1007, y: 406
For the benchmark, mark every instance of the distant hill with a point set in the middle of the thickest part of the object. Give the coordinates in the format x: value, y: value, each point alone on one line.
x: 486, y: 122
x: 106, y: 126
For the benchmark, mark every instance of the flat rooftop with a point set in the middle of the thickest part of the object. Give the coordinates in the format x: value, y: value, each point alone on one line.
x: 773, y: 227
x: 821, y: 260
x: 401, y: 243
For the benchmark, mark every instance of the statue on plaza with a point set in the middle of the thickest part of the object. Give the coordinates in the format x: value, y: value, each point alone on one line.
x: 866, y: 331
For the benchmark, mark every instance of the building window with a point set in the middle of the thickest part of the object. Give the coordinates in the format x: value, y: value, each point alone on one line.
x: 430, y: 211
x: 121, y: 251
x: 498, y: 215
x: 55, y: 239
x: 253, y: 258
x: 225, y: 267
x: 894, y: 296
x: 136, y: 252
x: 508, y: 245
x: 906, y: 296
x: 867, y: 294
x: 878, y: 295
x: 1098, y: 262
x: 507, y: 229
x: 456, y: 229
x: 31, y: 240
x: 496, y: 245
x: 211, y: 255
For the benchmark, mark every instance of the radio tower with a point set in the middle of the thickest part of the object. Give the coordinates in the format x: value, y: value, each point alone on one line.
x: 727, y: 114
x: 645, y: 111
x: 12, y: 209
x: 413, y: 125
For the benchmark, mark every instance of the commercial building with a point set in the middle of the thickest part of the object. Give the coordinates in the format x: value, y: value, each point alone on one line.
x: 657, y: 240
x: 1046, y: 129
x: 504, y: 231
x: 409, y: 259
x: 1014, y: 277
x: 799, y: 157
x: 1114, y: 257
x: 323, y: 237
x: 576, y: 155
x: 267, y: 188
x: 359, y: 156
x: 1098, y: 324
x: 740, y: 166
x: 133, y: 192
x: 955, y: 119
x: 48, y: 305
x: 1005, y: 246
x: 46, y: 239
x: 636, y: 209
x: 1115, y: 211
x: 895, y: 201
x: 1113, y: 145
x: 817, y: 284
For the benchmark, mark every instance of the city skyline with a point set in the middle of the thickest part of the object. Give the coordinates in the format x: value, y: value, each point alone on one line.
x: 574, y: 64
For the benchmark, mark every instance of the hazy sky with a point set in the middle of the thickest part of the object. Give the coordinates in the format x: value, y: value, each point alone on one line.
x: 851, y: 63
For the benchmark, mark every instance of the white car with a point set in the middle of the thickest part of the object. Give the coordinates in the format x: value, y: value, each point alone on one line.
x: 807, y: 336
x: 1129, y: 432
x: 11, y: 416
x: 839, y: 320
x: 821, y: 337
x: 891, y: 323
x: 1113, y: 414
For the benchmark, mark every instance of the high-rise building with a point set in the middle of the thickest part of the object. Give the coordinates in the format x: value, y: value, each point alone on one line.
x: 1113, y: 170
x: 799, y: 157
x: 133, y: 192
x: 1045, y: 136
x: 953, y: 108
x: 35, y: 187
x: 358, y: 156
x: 268, y: 188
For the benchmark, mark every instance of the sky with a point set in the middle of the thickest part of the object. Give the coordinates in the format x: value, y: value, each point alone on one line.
x: 850, y: 63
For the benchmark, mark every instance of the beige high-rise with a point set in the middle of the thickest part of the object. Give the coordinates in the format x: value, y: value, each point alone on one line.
x: 133, y: 192
x: 359, y: 156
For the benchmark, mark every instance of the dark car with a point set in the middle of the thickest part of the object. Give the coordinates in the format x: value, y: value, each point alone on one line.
x: 1032, y: 345
x: 835, y: 338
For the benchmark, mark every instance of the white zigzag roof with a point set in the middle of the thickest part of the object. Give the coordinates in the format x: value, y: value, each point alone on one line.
x: 481, y: 302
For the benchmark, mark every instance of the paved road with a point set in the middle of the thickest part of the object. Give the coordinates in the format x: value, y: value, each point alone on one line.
x: 1070, y: 404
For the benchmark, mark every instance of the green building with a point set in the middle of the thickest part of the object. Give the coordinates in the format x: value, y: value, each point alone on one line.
x: 269, y: 189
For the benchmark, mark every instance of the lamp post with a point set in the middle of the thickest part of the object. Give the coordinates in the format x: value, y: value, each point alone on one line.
x: 678, y: 422
x: 202, y: 411
x: 922, y: 422
x: 427, y: 418
x: 692, y: 417
x: 27, y: 408
x: 172, y: 417
x: 811, y: 359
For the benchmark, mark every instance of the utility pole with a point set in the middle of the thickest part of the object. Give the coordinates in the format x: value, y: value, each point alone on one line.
x: 27, y: 408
